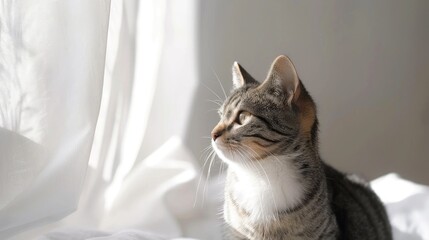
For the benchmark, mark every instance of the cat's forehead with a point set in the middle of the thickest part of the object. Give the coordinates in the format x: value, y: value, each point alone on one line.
x: 250, y: 99
x: 238, y: 97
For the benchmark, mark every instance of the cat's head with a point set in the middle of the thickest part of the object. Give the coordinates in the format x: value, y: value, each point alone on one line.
x: 272, y: 118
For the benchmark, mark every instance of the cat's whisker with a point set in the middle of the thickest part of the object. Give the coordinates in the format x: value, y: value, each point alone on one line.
x: 274, y: 156
x: 217, y: 102
x: 254, y: 153
x: 209, y: 153
x: 222, y: 167
x: 205, y: 151
x: 219, y: 98
x: 261, y: 196
x: 207, y: 177
x: 220, y: 83
x: 212, y: 110
x: 253, y: 166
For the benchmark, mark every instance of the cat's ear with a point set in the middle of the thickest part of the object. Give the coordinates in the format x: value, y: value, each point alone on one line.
x: 241, y: 77
x: 282, y: 79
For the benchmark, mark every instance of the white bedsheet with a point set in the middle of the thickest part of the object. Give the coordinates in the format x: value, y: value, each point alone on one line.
x: 165, y: 209
x: 407, y: 205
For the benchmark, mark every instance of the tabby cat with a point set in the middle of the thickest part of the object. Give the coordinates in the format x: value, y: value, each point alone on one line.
x: 277, y: 186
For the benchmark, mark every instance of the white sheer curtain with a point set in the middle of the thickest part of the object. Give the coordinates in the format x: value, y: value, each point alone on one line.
x: 51, y: 68
x: 96, y: 135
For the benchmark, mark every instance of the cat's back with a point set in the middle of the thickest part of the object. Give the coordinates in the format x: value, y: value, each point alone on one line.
x: 359, y: 212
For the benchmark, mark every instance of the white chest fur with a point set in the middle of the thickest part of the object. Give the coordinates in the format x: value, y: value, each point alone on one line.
x: 265, y: 188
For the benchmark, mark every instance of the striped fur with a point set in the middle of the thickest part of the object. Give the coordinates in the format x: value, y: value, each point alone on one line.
x: 277, y: 186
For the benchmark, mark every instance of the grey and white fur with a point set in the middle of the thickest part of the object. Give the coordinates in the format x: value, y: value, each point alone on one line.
x: 277, y: 186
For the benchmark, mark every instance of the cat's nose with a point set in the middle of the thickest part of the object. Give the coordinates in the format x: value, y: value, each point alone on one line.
x: 216, y: 133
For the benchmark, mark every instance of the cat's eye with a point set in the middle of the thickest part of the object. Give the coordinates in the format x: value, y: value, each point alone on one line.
x: 242, y: 117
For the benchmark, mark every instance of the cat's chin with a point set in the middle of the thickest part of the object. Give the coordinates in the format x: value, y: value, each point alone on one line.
x: 227, y: 155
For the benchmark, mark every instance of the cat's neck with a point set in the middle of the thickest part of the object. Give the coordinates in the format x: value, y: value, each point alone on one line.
x: 264, y: 188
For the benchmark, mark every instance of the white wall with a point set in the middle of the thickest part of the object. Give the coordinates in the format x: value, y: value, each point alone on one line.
x: 366, y: 64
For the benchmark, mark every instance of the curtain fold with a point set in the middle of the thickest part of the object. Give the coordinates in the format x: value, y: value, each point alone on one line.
x: 102, y: 88
x: 51, y: 76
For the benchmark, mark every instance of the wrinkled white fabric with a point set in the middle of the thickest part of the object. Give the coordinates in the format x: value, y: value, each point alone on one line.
x: 97, y: 235
x: 407, y: 205
x: 172, y: 199
x: 165, y: 197
x: 53, y: 56
x: 51, y: 73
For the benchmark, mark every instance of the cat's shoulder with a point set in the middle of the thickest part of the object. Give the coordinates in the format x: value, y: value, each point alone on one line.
x: 343, y: 185
x: 337, y: 177
x: 359, y: 212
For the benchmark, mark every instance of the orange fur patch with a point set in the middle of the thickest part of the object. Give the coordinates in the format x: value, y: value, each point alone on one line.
x: 307, y: 111
x: 259, y: 150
